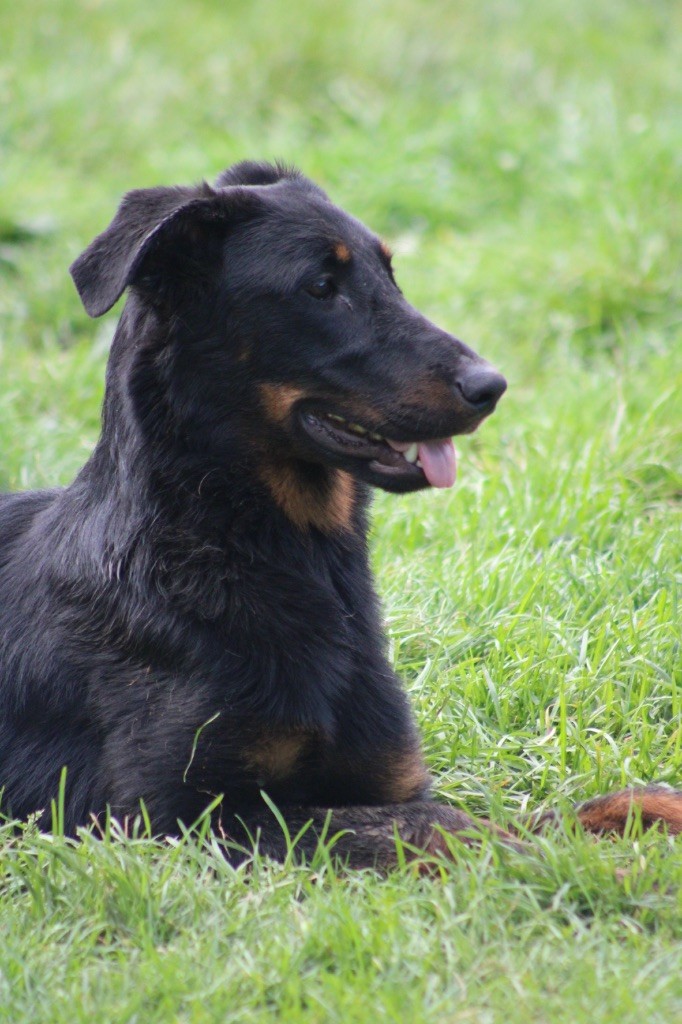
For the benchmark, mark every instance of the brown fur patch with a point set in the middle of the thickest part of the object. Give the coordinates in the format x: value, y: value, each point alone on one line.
x: 330, y: 510
x: 342, y: 252
x: 276, y: 757
x: 386, y: 250
x: 654, y: 805
x: 278, y: 399
x: 435, y: 395
x: 407, y: 777
x: 306, y: 504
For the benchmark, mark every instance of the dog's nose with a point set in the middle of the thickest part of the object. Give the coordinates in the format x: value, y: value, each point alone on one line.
x: 482, y: 387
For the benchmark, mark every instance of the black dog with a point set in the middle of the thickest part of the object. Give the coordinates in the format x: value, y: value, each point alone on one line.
x: 194, y: 616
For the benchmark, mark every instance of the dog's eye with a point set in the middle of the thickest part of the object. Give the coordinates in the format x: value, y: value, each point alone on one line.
x: 323, y: 288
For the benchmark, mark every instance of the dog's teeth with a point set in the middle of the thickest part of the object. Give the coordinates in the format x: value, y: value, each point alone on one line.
x: 419, y: 463
x: 412, y: 453
x: 354, y: 428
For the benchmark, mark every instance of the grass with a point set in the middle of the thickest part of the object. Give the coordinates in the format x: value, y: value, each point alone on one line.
x: 524, y: 162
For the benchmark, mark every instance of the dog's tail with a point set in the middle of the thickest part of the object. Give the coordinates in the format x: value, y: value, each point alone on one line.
x: 619, y: 812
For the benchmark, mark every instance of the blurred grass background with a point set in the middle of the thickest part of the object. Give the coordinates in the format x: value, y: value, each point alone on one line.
x: 524, y: 160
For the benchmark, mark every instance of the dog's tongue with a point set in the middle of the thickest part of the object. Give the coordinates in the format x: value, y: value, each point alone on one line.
x: 439, y: 462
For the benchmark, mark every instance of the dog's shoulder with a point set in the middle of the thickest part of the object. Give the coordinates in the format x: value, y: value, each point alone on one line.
x: 18, y: 513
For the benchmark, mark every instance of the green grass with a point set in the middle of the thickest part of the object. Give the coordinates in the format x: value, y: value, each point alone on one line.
x: 524, y: 162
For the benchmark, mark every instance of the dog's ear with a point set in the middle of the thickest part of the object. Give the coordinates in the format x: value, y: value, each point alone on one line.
x: 158, y: 235
x: 251, y: 172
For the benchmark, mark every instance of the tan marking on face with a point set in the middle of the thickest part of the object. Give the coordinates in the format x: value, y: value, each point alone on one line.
x: 326, y: 502
x: 278, y: 399
x: 329, y: 509
x: 431, y: 394
x: 275, y: 757
x: 386, y: 250
x: 342, y: 252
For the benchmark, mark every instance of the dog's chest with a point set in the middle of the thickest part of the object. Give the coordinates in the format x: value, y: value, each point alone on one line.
x: 298, y: 639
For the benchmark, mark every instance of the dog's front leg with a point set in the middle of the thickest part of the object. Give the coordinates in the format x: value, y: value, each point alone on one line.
x: 358, y: 836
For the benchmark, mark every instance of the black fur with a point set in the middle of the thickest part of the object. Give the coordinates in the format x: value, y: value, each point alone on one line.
x: 194, y: 615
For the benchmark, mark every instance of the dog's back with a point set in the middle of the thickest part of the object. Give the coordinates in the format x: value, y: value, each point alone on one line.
x: 41, y: 720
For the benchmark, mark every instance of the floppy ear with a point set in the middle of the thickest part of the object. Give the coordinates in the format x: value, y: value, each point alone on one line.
x: 251, y: 172
x: 157, y: 233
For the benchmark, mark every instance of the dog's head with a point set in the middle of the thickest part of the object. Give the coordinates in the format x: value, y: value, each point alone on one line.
x: 283, y: 311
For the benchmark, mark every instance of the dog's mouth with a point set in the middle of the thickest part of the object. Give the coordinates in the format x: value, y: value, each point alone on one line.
x: 410, y: 464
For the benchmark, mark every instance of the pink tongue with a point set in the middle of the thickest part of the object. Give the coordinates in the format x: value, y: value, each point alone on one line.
x: 439, y: 462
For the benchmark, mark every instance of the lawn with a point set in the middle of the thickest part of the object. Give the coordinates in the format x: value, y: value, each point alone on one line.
x: 524, y: 162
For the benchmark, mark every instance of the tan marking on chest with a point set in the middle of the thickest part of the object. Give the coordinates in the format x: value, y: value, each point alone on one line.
x: 329, y: 509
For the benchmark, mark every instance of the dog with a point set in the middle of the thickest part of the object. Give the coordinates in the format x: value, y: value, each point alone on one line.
x: 192, y: 622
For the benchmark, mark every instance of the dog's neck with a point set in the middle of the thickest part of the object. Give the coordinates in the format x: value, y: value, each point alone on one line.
x: 188, y: 537
x: 312, y: 497
x: 146, y: 456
